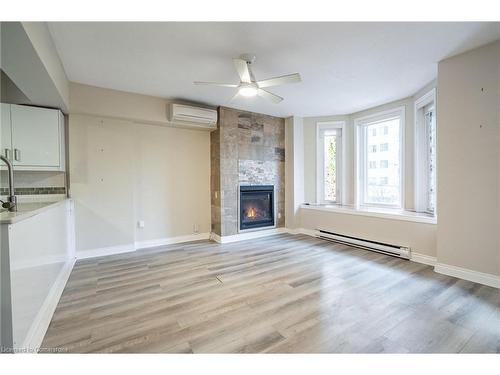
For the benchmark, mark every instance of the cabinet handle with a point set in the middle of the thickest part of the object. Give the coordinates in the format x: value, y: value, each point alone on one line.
x: 7, y: 153
x: 17, y: 154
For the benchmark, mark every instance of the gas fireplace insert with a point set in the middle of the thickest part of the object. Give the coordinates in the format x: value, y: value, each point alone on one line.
x: 256, y: 206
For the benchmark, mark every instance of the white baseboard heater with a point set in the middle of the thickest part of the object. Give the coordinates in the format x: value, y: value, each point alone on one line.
x: 379, y: 247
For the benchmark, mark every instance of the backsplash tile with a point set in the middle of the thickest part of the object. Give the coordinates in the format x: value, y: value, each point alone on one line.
x: 34, y: 190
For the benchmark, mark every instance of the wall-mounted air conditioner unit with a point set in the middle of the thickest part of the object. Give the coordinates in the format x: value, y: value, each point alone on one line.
x: 182, y: 115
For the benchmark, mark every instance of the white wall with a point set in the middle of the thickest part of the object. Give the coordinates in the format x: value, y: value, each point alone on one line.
x: 469, y: 160
x: 123, y: 171
x: 30, y: 59
x: 172, y: 181
x: 294, y: 170
x: 420, y: 237
x: 101, y: 157
x: 43, y: 44
x: 98, y: 101
x: 9, y: 92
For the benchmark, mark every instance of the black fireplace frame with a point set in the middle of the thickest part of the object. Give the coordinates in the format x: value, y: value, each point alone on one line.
x: 249, y: 189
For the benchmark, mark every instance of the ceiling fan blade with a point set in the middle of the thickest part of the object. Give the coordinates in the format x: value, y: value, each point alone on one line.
x: 243, y: 70
x: 282, y: 80
x: 215, y: 84
x: 269, y: 96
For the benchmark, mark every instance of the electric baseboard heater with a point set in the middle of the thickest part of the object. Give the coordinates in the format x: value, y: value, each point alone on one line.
x: 380, y: 247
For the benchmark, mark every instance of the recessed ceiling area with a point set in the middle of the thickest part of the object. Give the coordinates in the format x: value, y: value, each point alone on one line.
x: 345, y: 67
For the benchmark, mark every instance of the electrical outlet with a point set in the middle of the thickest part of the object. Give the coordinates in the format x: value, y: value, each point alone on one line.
x: 279, y: 215
x: 140, y: 224
x: 196, y: 229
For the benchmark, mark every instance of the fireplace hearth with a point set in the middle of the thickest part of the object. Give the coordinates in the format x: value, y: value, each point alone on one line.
x: 256, y: 206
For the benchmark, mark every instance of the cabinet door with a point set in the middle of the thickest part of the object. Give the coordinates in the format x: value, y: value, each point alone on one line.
x: 5, y: 131
x: 35, y: 136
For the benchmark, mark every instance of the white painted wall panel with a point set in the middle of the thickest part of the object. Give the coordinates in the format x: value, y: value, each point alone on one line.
x: 40, y: 248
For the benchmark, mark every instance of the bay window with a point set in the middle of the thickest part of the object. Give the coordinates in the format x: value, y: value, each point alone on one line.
x: 329, y: 162
x: 425, y: 153
x: 373, y: 162
x: 380, y: 174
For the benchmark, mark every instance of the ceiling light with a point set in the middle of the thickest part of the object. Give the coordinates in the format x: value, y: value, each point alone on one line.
x: 248, y: 86
x: 248, y: 91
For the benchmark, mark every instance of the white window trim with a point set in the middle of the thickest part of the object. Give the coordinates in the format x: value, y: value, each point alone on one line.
x: 359, y: 164
x: 421, y: 188
x: 341, y: 181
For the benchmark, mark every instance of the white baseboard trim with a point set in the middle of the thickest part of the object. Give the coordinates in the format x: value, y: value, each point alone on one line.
x: 139, y: 245
x: 42, y: 320
x: 112, y: 250
x: 104, y: 251
x: 215, y: 237
x: 470, y: 275
x: 422, y: 258
x: 171, y: 240
x: 307, y: 232
x: 247, y: 235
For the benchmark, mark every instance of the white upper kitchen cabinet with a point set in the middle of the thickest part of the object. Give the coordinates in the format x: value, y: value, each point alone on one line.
x: 37, y: 138
x: 5, y: 131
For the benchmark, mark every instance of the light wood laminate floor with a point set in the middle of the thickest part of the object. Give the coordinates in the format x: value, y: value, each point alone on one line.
x: 280, y: 294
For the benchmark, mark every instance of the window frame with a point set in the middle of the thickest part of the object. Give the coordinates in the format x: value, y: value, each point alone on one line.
x: 384, y: 164
x: 320, y: 158
x: 421, y: 154
x: 361, y: 151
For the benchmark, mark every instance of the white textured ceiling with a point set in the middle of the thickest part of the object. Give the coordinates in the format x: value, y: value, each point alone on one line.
x: 345, y: 67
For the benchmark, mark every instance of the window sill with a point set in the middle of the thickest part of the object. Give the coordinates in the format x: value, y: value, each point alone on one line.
x: 384, y: 213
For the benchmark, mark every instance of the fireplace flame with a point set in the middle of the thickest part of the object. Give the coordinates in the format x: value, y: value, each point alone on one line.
x: 251, y: 213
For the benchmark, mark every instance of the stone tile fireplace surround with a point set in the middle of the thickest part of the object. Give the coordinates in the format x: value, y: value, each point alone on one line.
x: 246, y: 149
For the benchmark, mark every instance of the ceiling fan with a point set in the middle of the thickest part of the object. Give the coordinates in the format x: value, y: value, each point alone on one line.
x: 248, y: 86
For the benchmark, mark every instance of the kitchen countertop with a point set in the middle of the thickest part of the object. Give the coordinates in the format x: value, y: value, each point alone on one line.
x: 27, y: 210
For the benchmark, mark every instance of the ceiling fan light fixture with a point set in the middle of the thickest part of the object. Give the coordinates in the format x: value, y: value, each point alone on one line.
x: 247, y: 90
x: 248, y: 86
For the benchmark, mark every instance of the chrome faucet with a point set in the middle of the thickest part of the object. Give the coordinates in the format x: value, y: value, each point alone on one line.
x: 11, y: 203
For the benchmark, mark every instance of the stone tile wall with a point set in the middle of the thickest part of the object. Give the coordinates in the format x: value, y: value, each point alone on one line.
x: 215, y: 181
x: 248, y: 149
